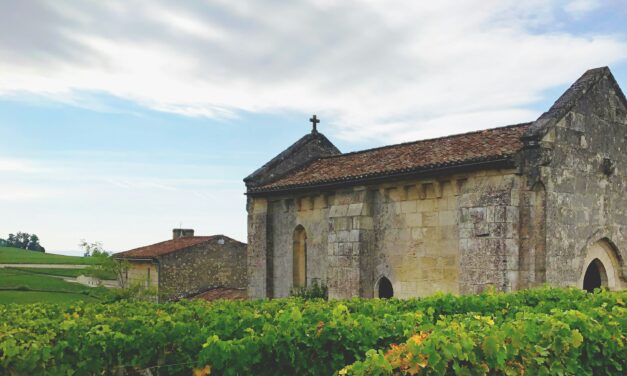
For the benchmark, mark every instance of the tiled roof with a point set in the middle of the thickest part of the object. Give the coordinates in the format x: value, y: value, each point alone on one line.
x: 484, y: 145
x: 222, y: 293
x: 166, y: 247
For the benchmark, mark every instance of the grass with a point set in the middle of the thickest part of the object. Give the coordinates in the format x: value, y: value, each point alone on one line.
x: 27, y: 297
x: 50, y: 289
x: 72, y: 273
x: 22, y: 256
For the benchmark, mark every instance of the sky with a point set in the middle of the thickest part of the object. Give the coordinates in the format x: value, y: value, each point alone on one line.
x: 121, y: 120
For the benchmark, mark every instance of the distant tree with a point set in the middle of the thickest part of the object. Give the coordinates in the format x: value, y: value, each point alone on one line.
x: 3, y: 243
x: 33, y: 244
x: 92, y: 249
x: 106, y: 263
x: 24, y: 240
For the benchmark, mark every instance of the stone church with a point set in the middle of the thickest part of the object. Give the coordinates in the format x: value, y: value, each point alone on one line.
x: 511, y: 207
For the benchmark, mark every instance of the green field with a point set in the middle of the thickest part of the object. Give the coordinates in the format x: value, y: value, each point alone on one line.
x: 20, y: 286
x: 29, y: 297
x: 21, y: 256
x: 71, y: 273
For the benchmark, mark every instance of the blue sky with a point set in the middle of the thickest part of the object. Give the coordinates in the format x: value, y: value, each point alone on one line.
x: 122, y: 120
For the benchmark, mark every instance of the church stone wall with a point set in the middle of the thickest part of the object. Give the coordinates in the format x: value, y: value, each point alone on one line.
x: 585, y: 204
x: 456, y: 233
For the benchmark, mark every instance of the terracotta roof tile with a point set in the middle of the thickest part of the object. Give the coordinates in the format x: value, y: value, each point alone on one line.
x: 166, y: 247
x: 484, y: 145
x: 222, y: 293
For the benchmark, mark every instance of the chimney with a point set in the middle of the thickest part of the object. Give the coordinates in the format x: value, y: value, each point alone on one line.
x: 182, y: 233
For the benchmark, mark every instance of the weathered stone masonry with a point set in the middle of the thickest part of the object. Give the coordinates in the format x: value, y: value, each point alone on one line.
x: 548, y: 206
x: 188, y: 264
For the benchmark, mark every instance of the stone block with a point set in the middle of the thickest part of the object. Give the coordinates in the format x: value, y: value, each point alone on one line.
x: 413, y: 219
x: 364, y: 223
x: 500, y: 214
x: 355, y: 209
x: 343, y: 236
x: 465, y: 233
x: 342, y: 223
x: 447, y: 218
x: 417, y: 233
x: 408, y: 206
x: 411, y: 192
x: 338, y: 211
x: 512, y: 215
x: 429, y: 219
x: 427, y: 205
x: 477, y: 215
x: 354, y: 235
x: 428, y: 262
x: 260, y: 205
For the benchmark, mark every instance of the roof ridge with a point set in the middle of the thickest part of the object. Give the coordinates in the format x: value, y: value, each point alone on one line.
x: 201, y: 237
x: 423, y: 140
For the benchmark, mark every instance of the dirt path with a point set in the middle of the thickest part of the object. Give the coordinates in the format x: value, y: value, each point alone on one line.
x: 44, y: 266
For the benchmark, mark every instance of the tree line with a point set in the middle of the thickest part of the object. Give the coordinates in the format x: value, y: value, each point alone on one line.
x: 23, y: 240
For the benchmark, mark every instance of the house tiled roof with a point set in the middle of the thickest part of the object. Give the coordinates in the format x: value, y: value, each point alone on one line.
x: 166, y: 247
x: 222, y: 293
x: 485, y: 145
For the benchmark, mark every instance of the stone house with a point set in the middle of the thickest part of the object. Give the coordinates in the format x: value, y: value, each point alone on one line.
x: 188, y: 264
x: 511, y: 207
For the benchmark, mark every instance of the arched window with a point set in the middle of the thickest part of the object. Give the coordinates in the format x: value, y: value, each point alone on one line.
x: 595, y: 276
x: 539, y: 233
x: 384, y: 288
x: 300, y: 257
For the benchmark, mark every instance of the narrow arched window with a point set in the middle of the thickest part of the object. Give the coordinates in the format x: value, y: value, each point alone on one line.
x: 384, y: 288
x: 300, y: 257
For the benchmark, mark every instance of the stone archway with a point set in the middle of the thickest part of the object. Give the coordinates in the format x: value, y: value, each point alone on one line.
x: 384, y: 288
x: 600, y: 268
x: 595, y: 276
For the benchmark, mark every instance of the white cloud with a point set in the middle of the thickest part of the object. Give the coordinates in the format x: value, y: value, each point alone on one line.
x: 20, y: 166
x: 578, y: 8
x: 369, y: 69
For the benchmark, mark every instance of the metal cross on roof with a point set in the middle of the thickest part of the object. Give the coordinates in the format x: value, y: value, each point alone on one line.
x: 314, y: 120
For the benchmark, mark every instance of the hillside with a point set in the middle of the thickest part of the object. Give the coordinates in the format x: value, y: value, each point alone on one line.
x: 18, y: 286
x: 21, y: 256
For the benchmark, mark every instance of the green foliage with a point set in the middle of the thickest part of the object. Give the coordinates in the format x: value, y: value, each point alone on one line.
x: 535, y: 331
x: 314, y: 291
x: 23, y: 240
x: 104, y: 266
x: 20, y: 256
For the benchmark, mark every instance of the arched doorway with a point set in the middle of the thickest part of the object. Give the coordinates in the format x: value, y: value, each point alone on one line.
x: 601, y: 267
x: 595, y: 276
x: 384, y: 288
x: 300, y: 257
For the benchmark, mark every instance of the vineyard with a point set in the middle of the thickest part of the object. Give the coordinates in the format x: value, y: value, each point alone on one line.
x: 544, y: 331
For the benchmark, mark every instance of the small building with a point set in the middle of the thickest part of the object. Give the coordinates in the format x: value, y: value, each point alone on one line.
x: 187, y: 264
